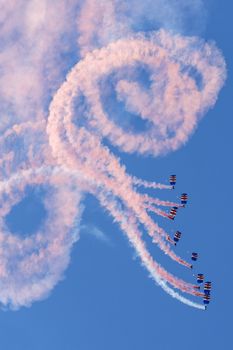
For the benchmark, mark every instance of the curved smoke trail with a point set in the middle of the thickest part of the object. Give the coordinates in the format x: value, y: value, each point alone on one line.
x: 67, y: 152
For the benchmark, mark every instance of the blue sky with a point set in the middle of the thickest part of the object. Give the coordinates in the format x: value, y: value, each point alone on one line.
x: 106, y: 300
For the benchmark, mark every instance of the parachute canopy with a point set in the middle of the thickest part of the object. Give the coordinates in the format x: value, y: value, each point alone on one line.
x: 207, y: 288
x: 194, y: 256
x: 200, y: 278
x: 184, y: 198
x: 172, y: 180
x: 206, y: 299
x: 177, y: 236
x: 172, y: 213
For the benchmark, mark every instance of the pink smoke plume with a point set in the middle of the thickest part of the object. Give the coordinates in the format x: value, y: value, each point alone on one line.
x: 66, y: 151
x: 178, y: 108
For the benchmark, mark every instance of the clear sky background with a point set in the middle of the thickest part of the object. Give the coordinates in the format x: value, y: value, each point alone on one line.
x: 106, y: 300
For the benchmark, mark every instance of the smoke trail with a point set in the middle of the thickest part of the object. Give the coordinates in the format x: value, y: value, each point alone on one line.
x: 163, y: 80
x: 35, y: 36
x: 180, y: 103
x: 31, y: 266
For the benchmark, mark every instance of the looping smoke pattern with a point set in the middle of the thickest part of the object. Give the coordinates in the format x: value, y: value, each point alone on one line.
x: 68, y: 153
